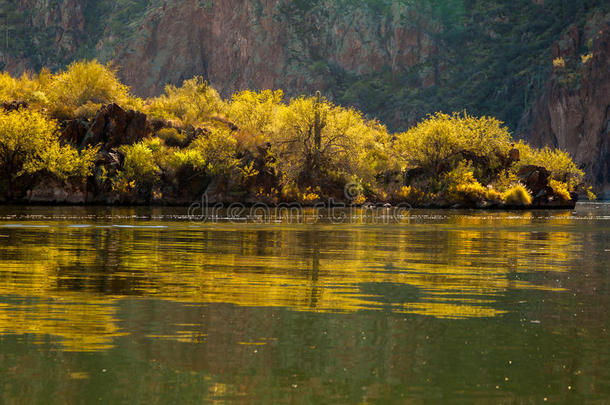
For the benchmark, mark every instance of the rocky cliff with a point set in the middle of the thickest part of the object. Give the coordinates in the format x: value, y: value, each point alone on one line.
x: 574, y: 111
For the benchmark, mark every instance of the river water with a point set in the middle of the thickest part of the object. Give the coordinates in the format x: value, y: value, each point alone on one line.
x: 149, y: 305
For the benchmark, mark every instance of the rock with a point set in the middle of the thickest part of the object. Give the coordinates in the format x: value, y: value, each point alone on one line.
x: 74, y: 131
x: 535, y: 178
x: 576, y: 116
x: 54, y: 191
x: 13, y: 105
x: 114, y: 126
x: 513, y: 156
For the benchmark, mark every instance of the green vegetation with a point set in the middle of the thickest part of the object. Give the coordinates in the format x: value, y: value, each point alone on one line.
x: 256, y: 146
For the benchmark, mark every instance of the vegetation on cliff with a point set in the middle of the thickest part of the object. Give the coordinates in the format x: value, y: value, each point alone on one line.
x: 257, y: 147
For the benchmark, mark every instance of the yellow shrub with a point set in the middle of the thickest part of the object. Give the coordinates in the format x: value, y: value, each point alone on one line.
x: 359, y: 200
x: 29, y: 143
x: 517, y: 195
x: 171, y: 136
x: 586, y: 58
x: 139, y: 166
x: 559, y: 63
x: 86, y: 82
x: 560, y: 189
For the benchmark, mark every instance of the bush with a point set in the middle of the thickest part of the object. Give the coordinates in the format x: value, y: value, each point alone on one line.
x: 439, y: 143
x: 558, y: 162
x: 560, y: 189
x: 517, y: 195
x: 139, y: 170
x: 25, y: 88
x: 350, y: 148
x: 461, y: 185
x: 213, y: 154
x: 86, y: 82
x: 172, y: 137
x: 193, y: 103
x: 29, y: 143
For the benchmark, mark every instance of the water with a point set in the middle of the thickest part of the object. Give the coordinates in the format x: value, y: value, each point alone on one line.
x: 120, y: 305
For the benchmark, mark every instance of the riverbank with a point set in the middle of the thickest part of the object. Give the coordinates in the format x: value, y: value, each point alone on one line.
x: 72, y: 140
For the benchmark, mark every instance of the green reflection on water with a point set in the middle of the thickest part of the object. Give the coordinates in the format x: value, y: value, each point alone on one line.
x: 344, y: 312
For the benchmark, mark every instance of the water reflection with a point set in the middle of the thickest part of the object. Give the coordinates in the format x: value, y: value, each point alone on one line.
x: 65, y: 275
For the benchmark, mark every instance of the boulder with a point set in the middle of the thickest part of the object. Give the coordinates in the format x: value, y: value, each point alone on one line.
x: 74, y: 131
x: 535, y: 178
x: 114, y: 126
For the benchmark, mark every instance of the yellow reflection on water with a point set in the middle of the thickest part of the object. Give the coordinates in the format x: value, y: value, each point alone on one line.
x: 66, y: 282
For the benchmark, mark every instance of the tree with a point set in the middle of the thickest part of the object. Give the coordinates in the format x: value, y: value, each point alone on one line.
x: 315, y: 141
x: 87, y: 82
x: 191, y: 104
x: 29, y: 143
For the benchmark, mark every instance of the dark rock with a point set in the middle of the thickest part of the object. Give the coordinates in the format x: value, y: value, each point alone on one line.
x: 114, y: 126
x: 14, y: 105
x: 55, y: 191
x: 535, y: 178
x: 513, y: 156
x: 74, y: 131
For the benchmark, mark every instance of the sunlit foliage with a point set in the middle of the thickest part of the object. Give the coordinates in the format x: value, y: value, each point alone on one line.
x: 556, y: 161
x: 442, y: 141
x: 305, y: 149
x: 350, y: 147
x: 29, y: 143
x: 517, y: 195
x: 192, y: 104
x: 85, y: 83
x: 139, y: 169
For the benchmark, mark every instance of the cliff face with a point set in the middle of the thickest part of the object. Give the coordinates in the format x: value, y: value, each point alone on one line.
x: 54, y: 29
x: 574, y: 112
x: 257, y: 44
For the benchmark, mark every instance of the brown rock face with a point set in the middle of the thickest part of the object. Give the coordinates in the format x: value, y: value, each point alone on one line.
x: 259, y: 44
x: 114, y: 126
x: 574, y: 113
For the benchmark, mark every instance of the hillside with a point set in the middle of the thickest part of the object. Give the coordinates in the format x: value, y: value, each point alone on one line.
x: 395, y: 60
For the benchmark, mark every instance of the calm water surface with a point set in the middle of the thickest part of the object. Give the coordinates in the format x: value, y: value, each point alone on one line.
x: 121, y: 305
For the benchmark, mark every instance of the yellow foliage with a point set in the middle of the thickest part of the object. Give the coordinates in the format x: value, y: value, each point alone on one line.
x: 255, y: 112
x: 191, y: 104
x: 171, y: 136
x: 558, y: 162
x: 517, y: 195
x: 359, y: 200
x: 29, y: 143
x: 586, y: 58
x: 560, y: 189
x: 26, y: 88
x: 559, y: 63
x: 442, y: 141
x: 86, y: 82
x: 138, y: 169
x: 461, y: 185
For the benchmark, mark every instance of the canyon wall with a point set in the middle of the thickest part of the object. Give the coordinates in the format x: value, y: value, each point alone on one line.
x: 574, y: 112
